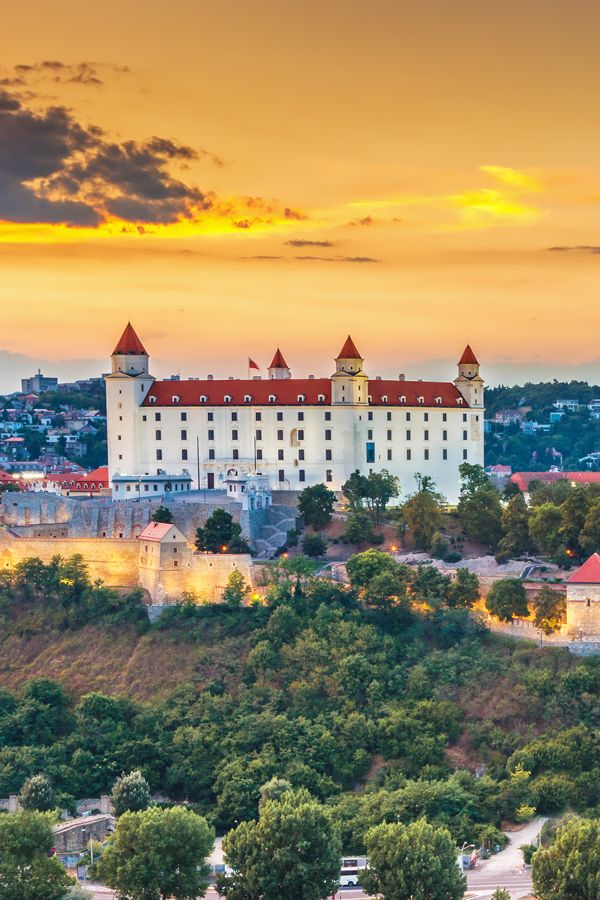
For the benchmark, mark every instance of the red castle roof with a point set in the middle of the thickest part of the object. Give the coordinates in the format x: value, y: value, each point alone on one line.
x: 588, y: 573
x: 468, y: 358
x: 523, y: 479
x: 316, y: 391
x: 278, y: 361
x: 349, y: 350
x: 129, y: 343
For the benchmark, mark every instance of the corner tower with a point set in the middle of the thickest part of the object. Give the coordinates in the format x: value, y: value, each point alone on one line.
x: 469, y: 381
x: 349, y: 384
x: 126, y: 389
x: 279, y: 368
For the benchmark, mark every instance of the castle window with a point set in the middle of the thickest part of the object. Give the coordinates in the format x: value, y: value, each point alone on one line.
x: 444, y: 417
x: 184, y: 417
x: 384, y: 398
x: 389, y: 434
x: 259, y: 454
x: 426, y: 417
x: 408, y: 434
x: 420, y: 399
x: 258, y: 417
x: 426, y: 454
x: 402, y: 399
x: 328, y: 434
x: 301, y: 417
x: 272, y: 398
x: 328, y: 475
x: 280, y: 434
x: 184, y: 454
x: 159, y: 454
x: 328, y: 416
x: 370, y: 434
x: 211, y: 434
x: 389, y: 453
x: 464, y: 417
x: 234, y: 417
x: 236, y: 453
x: 301, y: 475
x: 459, y: 400
x: 301, y: 454
x: 211, y: 453
x: 158, y: 434
x: 175, y: 398
x: 157, y: 417
x: 438, y: 400
x: 444, y: 435
x: 280, y: 454
x: 258, y: 434
x: 426, y: 434
x: 589, y: 602
x: 301, y: 398
x: 408, y: 454
x: 152, y: 399
x: 444, y: 453
x: 227, y: 398
x: 247, y: 398
x: 465, y: 435
x: 234, y: 434
x: 370, y: 415
x: 281, y: 475
x: 144, y: 418
x: 389, y: 417
x: 184, y: 434
x: 321, y: 398
x: 203, y: 398
x: 465, y: 454
x: 210, y: 417
x: 300, y: 434
x: 280, y: 417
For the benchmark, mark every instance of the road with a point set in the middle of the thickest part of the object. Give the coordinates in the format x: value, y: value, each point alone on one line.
x: 505, y: 870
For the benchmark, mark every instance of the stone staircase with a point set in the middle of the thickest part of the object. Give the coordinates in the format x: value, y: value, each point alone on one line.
x: 279, y: 520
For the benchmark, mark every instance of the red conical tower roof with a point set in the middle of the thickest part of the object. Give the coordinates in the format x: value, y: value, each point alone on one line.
x: 468, y: 358
x: 278, y: 361
x: 349, y: 350
x: 129, y: 343
x: 588, y: 573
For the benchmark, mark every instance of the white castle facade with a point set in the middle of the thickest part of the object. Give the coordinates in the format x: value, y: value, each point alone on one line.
x: 293, y: 432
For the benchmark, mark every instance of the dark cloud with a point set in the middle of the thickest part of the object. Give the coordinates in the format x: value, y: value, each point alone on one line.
x: 53, y: 169
x: 368, y: 220
x: 342, y: 259
x: 58, y: 72
x: 303, y: 243
x: 581, y: 248
x: 294, y: 214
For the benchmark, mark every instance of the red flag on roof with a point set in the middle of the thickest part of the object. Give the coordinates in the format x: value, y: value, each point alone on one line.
x: 252, y: 364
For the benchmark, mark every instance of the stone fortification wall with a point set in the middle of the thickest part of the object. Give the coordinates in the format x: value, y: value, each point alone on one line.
x: 115, y: 561
x: 202, y: 575
x: 583, y: 612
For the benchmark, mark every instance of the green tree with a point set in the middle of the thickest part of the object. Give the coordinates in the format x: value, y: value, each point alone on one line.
x: 381, y: 487
x: 569, y: 869
x: 480, y: 513
x: 315, y: 505
x: 27, y: 870
x: 236, y: 589
x: 544, y: 527
x: 157, y: 854
x: 501, y: 894
x: 549, y: 607
x: 423, y: 517
x: 360, y: 529
x: 355, y: 490
x: 362, y: 567
x: 515, y: 523
x: 293, y: 850
x: 162, y: 514
x: 464, y: 590
x: 274, y: 789
x: 412, y: 862
x: 221, y: 534
x: 507, y: 598
x: 131, y: 793
x: 589, y: 537
x: 37, y: 794
x: 313, y: 545
x: 574, y: 513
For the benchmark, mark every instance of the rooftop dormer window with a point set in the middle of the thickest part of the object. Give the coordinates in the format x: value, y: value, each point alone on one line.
x: 402, y: 398
x: 203, y: 398
x: 384, y: 398
x: 247, y: 398
x: 420, y: 399
x: 459, y: 400
x: 301, y: 398
x: 152, y: 399
x: 227, y: 398
x: 321, y: 398
x: 175, y: 398
x: 272, y: 398
x: 438, y: 400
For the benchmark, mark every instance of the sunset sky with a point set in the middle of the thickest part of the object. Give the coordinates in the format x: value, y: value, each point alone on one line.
x: 242, y: 175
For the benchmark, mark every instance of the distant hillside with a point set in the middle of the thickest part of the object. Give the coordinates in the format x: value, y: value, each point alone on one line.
x: 575, y: 436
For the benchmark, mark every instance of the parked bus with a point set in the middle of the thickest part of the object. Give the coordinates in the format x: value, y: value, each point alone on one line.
x: 350, y: 870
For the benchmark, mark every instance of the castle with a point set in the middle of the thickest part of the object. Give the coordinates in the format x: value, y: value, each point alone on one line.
x: 179, y: 435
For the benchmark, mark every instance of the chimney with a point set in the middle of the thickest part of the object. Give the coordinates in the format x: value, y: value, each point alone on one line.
x: 209, y: 377
x: 401, y: 377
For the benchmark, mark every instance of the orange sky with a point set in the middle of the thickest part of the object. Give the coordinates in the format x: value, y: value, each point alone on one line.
x: 394, y: 169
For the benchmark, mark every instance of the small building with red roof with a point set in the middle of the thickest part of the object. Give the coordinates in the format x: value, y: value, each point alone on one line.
x: 524, y: 479
x: 583, y: 602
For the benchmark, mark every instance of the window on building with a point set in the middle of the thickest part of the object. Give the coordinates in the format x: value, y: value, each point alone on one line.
x: 444, y: 417
x: 159, y: 454
x: 236, y: 453
x: 444, y: 435
x: 184, y: 453
x: 281, y: 475
x: 210, y: 417
x: 426, y: 417
x: 328, y: 475
x: 211, y: 434
x: 389, y: 453
x: 234, y: 434
x: 259, y: 454
x: 280, y: 417
x: 426, y: 434
x: 328, y: 434
x: 408, y: 417
x: 389, y: 434
x: 184, y: 434
x: 301, y: 475
x: 408, y: 434
x: 328, y: 416
x: 144, y: 418
x: 158, y: 434
x: 464, y: 417
x: 234, y: 417
x: 157, y: 417
x: 301, y: 434
x: 409, y: 454
x: 444, y: 453
x: 280, y: 454
x: 211, y: 453
x: 370, y: 452
x: 465, y: 435
x: 465, y: 454
x: 370, y: 415
x: 329, y: 455
x: 280, y: 434
x: 389, y: 417
x: 259, y: 434
x: 118, y: 437
x: 184, y: 417
x: 301, y: 417
x: 370, y: 434
x: 425, y: 453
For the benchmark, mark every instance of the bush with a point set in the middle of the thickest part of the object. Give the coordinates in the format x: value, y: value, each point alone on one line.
x: 314, y: 545
x: 130, y: 793
x: 37, y: 794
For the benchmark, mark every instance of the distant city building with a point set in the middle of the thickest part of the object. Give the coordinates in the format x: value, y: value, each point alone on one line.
x: 294, y: 431
x: 571, y: 405
x: 38, y: 383
x: 507, y: 417
x: 499, y: 471
x: 524, y: 479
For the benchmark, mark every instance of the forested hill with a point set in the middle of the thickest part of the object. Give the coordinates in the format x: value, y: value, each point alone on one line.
x: 567, y: 441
